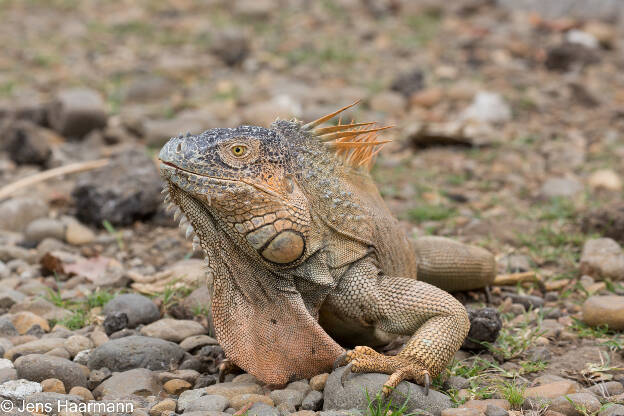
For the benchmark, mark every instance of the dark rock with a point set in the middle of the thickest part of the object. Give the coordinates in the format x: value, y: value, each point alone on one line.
x: 115, y: 321
x: 205, y: 380
x: 353, y: 395
x: 138, y: 308
x: 126, y: 190
x: 312, y: 401
x: 608, y: 221
x: 409, y: 82
x: 485, y: 324
x: 38, y: 367
x: 28, y: 143
x: 231, y: 45
x: 76, y: 112
x: 457, y: 383
x: 564, y: 56
x: 134, y: 352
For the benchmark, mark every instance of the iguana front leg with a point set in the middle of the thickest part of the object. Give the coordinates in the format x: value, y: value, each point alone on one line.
x: 436, y: 321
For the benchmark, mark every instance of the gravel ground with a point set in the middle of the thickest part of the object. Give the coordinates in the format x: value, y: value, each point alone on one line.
x: 508, y: 134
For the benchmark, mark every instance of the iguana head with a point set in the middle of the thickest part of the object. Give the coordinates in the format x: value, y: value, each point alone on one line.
x: 251, y: 179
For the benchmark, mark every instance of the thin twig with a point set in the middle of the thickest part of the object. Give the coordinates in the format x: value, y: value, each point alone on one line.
x: 512, y: 279
x: 10, y: 189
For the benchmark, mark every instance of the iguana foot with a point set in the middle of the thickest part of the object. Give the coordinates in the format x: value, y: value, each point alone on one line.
x: 365, y: 359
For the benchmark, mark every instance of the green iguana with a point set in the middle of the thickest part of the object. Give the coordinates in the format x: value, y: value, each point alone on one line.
x: 306, y: 258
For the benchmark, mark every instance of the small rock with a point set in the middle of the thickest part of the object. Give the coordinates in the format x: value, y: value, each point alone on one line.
x: 603, y: 32
x: 205, y: 380
x: 197, y: 341
x: 560, y: 187
x: 76, y: 344
x: 487, y: 107
x: 9, y: 298
x: 176, y: 386
x: 19, y: 389
x: 517, y: 263
x: 485, y: 324
x: 43, y: 228
x: 242, y: 400
x: 39, y: 346
x: 607, y: 389
x: 539, y: 354
x: 27, y: 143
x: 570, y: 404
x: 550, y: 390
x: 187, y: 375
x: 461, y: 411
x: 163, y: 407
x: 140, y: 309
x: 17, y: 213
x: 231, y: 45
x: 261, y: 409
x: 352, y: 394
x: 494, y: 410
x: 76, y: 112
x: 312, y: 401
x: 301, y: 385
x: 409, y: 83
x: 600, y: 310
x: 127, y: 190
x: 173, y: 329
x: 482, y: 405
x: 605, y: 179
x: 98, y: 376
x: 230, y: 389
x: 602, y: 258
x: 209, y: 402
x: 292, y: 397
x: 53, y: 385
x: 318, y: 381
x: 580, y: 37
x: 42, y: 308
x: 38, y: 367
x: 134, y: 352
x: 613, y: 410
x: 82, y: 392
x: 78, y: 234
x: 608, y: 221
x: 139, y: 381
x: 457, y: 383
x: 563, y: 57
x: 528, y: 301
x: 115, y: 322
x: 245, y: 378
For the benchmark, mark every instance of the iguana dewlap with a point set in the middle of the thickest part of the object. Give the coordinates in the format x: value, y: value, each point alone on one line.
x: 306, y: 258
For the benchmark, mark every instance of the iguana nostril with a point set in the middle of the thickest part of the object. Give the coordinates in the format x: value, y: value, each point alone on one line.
x: 179, y: 148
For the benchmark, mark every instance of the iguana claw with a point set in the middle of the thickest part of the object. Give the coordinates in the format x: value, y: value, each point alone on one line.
x: 340, y: 361
x: 345, y: 374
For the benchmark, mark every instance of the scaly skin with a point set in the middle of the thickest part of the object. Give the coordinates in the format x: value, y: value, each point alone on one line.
x: 305, y: 257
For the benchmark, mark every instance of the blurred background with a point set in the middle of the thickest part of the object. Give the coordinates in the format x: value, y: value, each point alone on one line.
x: 508, y: 115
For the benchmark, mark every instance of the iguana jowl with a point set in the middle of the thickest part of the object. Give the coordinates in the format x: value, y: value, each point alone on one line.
x: 305, y: 256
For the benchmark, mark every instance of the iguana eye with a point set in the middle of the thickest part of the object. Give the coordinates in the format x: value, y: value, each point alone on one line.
x: 238, y: 150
